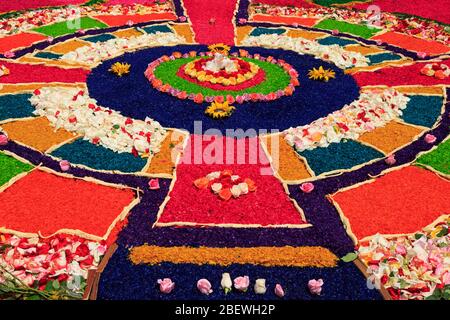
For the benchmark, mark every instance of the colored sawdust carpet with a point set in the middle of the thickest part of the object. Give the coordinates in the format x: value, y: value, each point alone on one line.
x: 44, y: 203
x: 402, y: 201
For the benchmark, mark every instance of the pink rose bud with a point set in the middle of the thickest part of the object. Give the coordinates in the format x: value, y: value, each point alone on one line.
x: 64, y: 165
x: 9, y: 54
x: 335, y: 32
x: 242, y: 283
x: 182, y: 18
x: 429, y: 138
x: 379, y: 42
x: 400, y: 249
x: 130, y: 23
x: 153, y: 184
x: 295, y: 24
x: 50, y: 39
x: 422, y: 54
x: 279, y: 292
x: 3, y: 140
x: 242, y: 20
x: 446, y: 278
x: 390, y: 160
x: 204, y: 286
x: 166, y: 285
x: 315, y: 286
x: 307, y: 187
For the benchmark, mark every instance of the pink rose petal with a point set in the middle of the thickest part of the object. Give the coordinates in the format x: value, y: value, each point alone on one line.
x: 307, y: 187
x: 429, y: 138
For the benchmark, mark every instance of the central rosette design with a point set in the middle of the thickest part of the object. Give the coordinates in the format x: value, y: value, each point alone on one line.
x: 217, y: 76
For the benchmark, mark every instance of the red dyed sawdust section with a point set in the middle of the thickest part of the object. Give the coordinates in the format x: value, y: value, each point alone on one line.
x: 201, y: 12
x: 21, y: 40
x: 435, y: 9
x: 45, y: 203
x: 268, y: 205
x: 306, y: 22
x: 26, y: 73
x: 120, y: 20
x: 293, y: 3
x: 18, y: 5
x: 412, y: 43
x: 398, y: 76
x: 402, y: 201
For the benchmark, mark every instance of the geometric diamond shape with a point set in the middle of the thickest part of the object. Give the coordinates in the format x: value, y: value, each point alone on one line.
x: 37, y: 133
x: 45, y: 203
x: 97, y: 157
x: 399, y: 202
x: 390, y: 137
x: 269, y: 205
x: 338, y: 156
x: 423, y: 110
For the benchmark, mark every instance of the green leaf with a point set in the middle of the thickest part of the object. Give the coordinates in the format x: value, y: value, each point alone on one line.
x: 349, y: 257
x: 55, y: 284
x: 49, y: 286
x: 417, y: 236
x: 116, y: 126
x: 442, y: 233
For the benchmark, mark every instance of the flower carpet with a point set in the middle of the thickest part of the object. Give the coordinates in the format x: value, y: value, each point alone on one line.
x: 224, y: 150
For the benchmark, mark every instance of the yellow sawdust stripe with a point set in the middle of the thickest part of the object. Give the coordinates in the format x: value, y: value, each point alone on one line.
x: 242, y: 33
x: 68, y: 46
x: 265, y: 256
x: 362, y: 49
x: 127, y: 33
x: 310, y: 35
x: 184, y: 30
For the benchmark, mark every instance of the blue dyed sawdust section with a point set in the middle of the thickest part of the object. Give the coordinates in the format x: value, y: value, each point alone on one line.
x: 134, y: 96
x: 121, y: 280
x: 48, y: 55
x: 100, y: 38
x: 423, y: 110
x: 14, y: 106
x: 99, y: 158
x: 259, y: 31
x: 338, y: 156
x: 155, y: 29
x: 382, y: 57
x: 328, y: 41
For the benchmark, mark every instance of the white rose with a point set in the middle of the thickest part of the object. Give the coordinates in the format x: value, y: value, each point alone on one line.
x: 226, y: 282
x: 244, y: 187
x: 216, y: 187
x: 236, y: 191
x: 213, y: 175
x: 260, y: 286
x: 234, y: 178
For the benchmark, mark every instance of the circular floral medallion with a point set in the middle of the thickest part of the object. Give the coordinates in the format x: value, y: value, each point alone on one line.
x: 206, y: 77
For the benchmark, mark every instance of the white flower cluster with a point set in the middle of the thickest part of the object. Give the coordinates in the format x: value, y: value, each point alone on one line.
x: 333, y: 53
x: 99, y: 51
x: 372, y: 110
x: 73, y: 110
x: 236, y: 190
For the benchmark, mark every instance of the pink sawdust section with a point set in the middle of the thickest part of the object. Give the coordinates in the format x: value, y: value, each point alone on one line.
x: 201, y: 12
x: 402, y: 201
x: 128, y: 2
x: 18, y: 5
x: 120, y: 20
x: 268, y: 205
x: 432, y: 9
x: 397, y: 76
x: 45, y: 203
x: 285, y: 3
x: 26, y: 73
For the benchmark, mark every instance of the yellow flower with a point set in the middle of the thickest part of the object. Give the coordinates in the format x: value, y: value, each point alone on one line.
x: 219, y: 110
x: 321, y: 74
x: 219, y: 48
x: 119, y: 68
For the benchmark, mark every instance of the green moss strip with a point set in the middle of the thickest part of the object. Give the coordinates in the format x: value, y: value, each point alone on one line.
x: 276, y: 79
x: 356, y: 29
x: 10, y: 167
x: 438, y: 159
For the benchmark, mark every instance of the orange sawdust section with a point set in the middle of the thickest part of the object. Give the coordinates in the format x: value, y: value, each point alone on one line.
x: 390, y: 137
x: 400, y: 202
x: 68, y: 46
x: 185, y: 31
x: 421, y: 90
x: 242, y: 33
x: 127, y: 33
x: 412, y: 43
x: 37, y: 133
x: 379, y: 66
x: 20, y: 40
x: 310, y: 35
x: 45, y: 203
x: 163, y: 161
x: 287, y: 163
x: 29, y: 87
x: 362, y: 49
x: 265, y: 256
x: 306, y: 22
